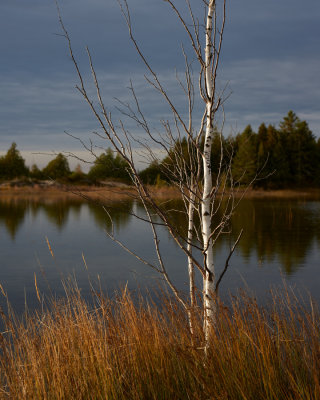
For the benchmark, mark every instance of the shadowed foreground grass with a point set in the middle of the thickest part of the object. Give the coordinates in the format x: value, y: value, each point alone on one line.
x: 125, y: 349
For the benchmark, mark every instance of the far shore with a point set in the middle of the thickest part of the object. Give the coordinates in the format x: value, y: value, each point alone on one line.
x: 110, y: 190
x: 113, y: 191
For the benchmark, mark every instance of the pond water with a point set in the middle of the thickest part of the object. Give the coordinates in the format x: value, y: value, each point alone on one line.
x: 281, y: 243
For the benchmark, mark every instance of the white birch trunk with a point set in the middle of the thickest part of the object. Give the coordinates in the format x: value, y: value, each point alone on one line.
x: 190, y: 261
x: 209, y: 280
x: 189, y: 248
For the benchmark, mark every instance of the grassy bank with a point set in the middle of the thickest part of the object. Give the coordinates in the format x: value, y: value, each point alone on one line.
x: 118, y: 191
x: 109, y: 190
x: 134, y: 350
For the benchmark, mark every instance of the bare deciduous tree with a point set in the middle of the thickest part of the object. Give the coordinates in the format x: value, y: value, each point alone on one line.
x: 208, y: 198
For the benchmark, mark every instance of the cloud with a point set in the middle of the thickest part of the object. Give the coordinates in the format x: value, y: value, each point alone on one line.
x: 36, y: 112
x: 265, y: 90
x: 271, y: 60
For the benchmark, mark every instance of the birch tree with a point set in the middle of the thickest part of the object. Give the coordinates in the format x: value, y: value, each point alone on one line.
x: 205, y: 197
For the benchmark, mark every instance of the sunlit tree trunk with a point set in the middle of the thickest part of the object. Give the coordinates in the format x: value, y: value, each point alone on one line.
x: 209, y: 279
x: 190, y: 261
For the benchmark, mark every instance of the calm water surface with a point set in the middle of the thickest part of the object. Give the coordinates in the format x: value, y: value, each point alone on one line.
x: 281, y: 242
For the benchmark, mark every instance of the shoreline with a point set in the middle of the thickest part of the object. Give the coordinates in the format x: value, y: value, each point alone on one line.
x: 111, y: 191
x: 121, y: 191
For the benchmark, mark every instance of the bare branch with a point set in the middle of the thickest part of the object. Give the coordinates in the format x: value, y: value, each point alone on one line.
x: 227, y: 261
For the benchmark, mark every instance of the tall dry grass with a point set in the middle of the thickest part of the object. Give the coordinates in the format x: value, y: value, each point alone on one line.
x: 125, y: 349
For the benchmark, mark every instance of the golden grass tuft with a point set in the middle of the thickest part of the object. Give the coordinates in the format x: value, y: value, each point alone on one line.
x: 133, y: 349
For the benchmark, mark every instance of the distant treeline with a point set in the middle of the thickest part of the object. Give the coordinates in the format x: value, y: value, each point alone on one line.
x: 287, y: 156
x: 283, y: 157
x: 107, y: 165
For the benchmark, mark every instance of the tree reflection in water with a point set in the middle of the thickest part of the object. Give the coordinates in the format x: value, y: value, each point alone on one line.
x: 120, y: 213
x: 58, y: 212
x: 12, y: 214
x: 277, y: 228
x: 285, y: 229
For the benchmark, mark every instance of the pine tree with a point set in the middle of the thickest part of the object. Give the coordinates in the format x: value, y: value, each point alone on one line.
x: 301, y: 149
x: 12, y: 165
x: 108, y: 166
x: 244, y: 166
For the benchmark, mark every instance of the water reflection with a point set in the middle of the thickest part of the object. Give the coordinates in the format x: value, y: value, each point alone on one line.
x: 117, y: 212
x: 58, y: 212
x: 13, y: 211
x: 285, y: 230
x: 12, y: 214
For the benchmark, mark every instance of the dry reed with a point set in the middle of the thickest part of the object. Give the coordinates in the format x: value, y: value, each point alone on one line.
x: 134, y: 349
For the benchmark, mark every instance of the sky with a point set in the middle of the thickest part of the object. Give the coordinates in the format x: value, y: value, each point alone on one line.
x: 270, y: 64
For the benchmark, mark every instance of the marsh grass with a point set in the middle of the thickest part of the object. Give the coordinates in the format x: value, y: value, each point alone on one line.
x: 133, y: 349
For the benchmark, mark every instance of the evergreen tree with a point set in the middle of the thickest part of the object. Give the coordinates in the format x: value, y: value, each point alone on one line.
x: 279, y: 160
x: 244, y: 167
x: 35, y: 172
x: 152, y: 174
x: 301, y: 149
x: 58, y: 168
x: 317, y: 171
x: 77, y: 175
x: 108, y: 166
x: 262, y: 155
x: 272, y: 158
x: 12, y: 165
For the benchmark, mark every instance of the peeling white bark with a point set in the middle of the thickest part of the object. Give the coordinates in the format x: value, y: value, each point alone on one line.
x: 209, y: 279
x: 190, y: 247
x: 190, y: 261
